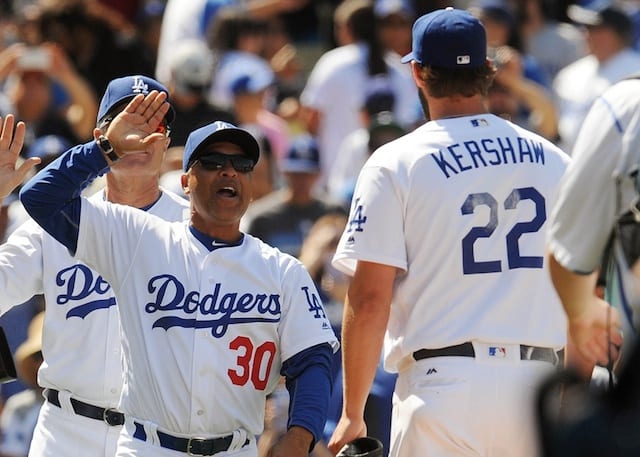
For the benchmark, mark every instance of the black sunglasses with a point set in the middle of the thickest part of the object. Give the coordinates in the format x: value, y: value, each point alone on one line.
x: 217, y: 161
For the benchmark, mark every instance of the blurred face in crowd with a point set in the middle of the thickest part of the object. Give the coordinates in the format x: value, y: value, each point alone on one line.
x: 30, y: 93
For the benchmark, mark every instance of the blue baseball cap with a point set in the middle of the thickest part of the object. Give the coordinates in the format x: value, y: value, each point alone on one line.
x: 448, y: 38
x: 127, y: 87
x: 217, y: 132
x: 303, y: 155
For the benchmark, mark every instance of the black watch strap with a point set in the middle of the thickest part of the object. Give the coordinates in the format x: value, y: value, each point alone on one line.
x: 106, y: 148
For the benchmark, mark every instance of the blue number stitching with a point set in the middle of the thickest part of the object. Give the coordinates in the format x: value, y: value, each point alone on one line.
x: 513, y: 249
x: 469, y: 264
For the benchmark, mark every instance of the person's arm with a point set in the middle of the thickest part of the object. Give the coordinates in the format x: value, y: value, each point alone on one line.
x: 309, y: 382
x: 52, y: 197
x: 593, y: 323
x: 366, y: 313
x: 83, y: 104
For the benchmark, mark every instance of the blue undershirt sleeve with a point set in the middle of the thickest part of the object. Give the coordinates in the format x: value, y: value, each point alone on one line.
x: 52, y: 197
x: 309, y: 382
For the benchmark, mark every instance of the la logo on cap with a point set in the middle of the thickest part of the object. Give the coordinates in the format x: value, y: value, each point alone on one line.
x: 139, y: 86
x: 463, y: 60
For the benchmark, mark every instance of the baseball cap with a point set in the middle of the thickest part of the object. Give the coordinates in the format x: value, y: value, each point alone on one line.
x: 249, y: 82
x: 127, y: 87
x: 215, y: 132
x: 379, y: 96
x: 494, y: 10
x: 48, y: 146
x: 448, y: 38
x: 191, y: 64
x: 601, y: 13
x: 303, y: 155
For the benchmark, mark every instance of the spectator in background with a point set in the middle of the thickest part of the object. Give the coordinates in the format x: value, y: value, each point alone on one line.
x: 394, y: 19
x: 335, y: 90
x: 179, y: 22
x: 283, y: 218
x: 98, y: 49
x: 542, y: 31
x: 520, y: 99
x: 250, y: 92
x: 20, y: 412
x: 47, y: 92
x: 191, y: 72
x: 238, y: 41
x: 609, y: 34
x: 499, y: 20
x: 378, y: 127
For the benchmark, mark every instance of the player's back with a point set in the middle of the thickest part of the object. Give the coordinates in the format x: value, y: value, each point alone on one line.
x: 468, y: 201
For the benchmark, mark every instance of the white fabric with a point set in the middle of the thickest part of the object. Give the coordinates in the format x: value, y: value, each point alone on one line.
x: 608, y: 146
x: 577, y: 86
x: 81, y: 339
x: 180, y: 21
x: 408, y: 211
x: 437, y: 402
x: 336, y: 88
x: 18, y: 419
x: 252, y: 308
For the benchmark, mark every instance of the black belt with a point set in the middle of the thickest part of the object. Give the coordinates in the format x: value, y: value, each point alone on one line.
x: 108, y: 415
x: 192, y: 446
x: 466, y: 350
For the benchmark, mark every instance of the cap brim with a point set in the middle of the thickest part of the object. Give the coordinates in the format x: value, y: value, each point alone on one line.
x: 408, y: 58
x: 298, y: 166
x: 584, y: 16
x: 239, y: 137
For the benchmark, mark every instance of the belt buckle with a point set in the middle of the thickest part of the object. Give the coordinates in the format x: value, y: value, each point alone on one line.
x: 190, y: 444
x: 108, y: 415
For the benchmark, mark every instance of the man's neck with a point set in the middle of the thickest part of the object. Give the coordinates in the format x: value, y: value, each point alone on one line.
x: 139, y: 193
x: 448, y: 107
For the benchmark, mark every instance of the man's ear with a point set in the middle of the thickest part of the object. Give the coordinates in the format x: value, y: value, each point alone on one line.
x: 184, y: 182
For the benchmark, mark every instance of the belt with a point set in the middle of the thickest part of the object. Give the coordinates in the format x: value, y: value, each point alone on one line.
x: 110, y: 416
x: 192, y: 446
x: 466, y: 350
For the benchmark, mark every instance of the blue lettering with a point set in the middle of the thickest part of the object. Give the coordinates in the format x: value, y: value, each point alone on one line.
x: 474, y: 152
x: 486, y: 144
x: 443, y: 164
x: 458, y: 157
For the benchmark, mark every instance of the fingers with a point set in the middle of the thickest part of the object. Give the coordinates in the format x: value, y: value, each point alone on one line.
x: 11, y: 140
x: 151, y: 107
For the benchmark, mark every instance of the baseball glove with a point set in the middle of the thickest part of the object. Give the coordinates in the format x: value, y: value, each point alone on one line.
x: 7, y: 366
x: 365, y: 446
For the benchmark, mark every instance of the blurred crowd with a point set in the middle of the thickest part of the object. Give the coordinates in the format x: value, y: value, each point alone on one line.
x: 320, y: 83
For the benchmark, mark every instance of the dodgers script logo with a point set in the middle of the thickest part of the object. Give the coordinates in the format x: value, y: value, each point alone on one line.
x: 78, y: 283
x: 139, y: 86
x: 228, y: 307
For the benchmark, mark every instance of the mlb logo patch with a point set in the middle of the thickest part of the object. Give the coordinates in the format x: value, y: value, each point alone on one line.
x: 480, y: 122
x: 463, y: 60
x: 498, y: 352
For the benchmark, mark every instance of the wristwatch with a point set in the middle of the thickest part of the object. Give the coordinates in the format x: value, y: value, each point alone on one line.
x: 106, y: 148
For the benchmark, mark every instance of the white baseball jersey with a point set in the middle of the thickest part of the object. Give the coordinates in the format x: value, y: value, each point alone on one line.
x: 460, y: 207
x: 204, y: 332
x: 81, y: 338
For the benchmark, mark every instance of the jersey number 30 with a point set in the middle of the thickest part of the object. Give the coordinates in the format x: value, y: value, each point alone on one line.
x: 472, y: 266
x: 254, y: 364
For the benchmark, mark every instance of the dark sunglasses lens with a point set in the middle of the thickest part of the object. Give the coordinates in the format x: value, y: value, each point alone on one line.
x: 218, y: 161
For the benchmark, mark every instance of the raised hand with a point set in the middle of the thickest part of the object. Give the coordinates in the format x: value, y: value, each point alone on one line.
x: 133, y: 130
x: 10, y: 145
